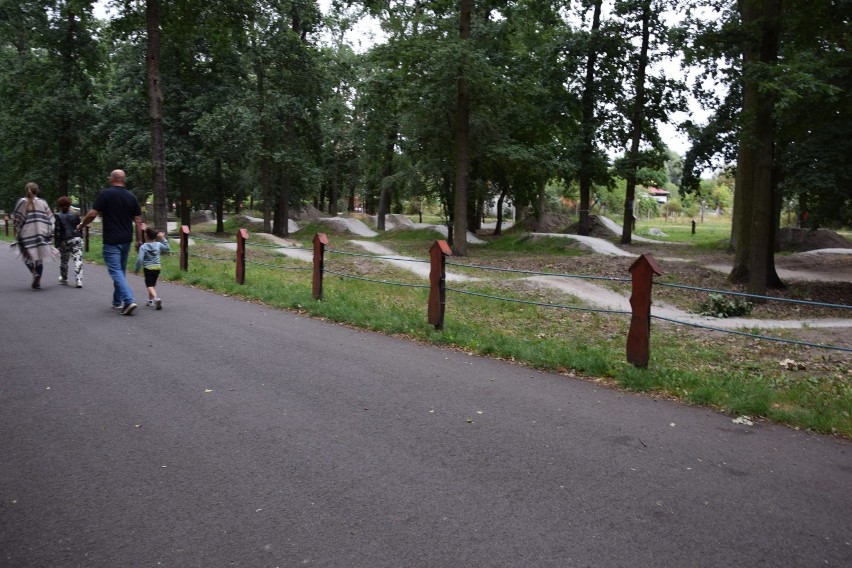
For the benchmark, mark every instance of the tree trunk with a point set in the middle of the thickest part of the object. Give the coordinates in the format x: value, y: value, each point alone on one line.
x: 282, y: 211
x: 462, y: 135
x: 265, y: 139
x: 755, y: 227
x: 474, y: 219
x: 220, y: 197
x: 637, y: 122
x: 740, y: 235
x: 334, y: 186
x: 387, y: 172
x: 803, y: 210
x: 155, y: 114
x: 64, y: 134
x: 446, y: 195
x: 587, y: 150
x: 540, y: 205
x: 498, y: 229
x: 185, y: 200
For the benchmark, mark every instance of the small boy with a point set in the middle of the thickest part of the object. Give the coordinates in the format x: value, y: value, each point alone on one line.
x: 149, y: 257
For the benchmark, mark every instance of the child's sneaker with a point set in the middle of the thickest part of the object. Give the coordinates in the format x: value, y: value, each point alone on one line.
x: 158, y: 303
x: 149, y: 304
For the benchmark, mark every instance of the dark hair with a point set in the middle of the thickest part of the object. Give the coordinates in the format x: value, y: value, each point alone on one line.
x: 150, y: 233
x: 64, y: 201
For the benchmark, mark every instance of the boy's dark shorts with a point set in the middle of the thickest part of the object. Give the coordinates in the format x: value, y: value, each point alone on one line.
x: 151, y: 277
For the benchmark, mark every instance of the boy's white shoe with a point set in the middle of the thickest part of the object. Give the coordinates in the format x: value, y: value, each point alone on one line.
x: 158, y: 303
x: 149, y: 303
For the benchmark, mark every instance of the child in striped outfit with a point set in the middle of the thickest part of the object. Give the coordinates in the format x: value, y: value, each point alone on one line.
x: 149, y: 260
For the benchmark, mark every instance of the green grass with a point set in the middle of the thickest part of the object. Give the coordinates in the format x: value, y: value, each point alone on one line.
x: 712, y: 234
x: 731, y: 374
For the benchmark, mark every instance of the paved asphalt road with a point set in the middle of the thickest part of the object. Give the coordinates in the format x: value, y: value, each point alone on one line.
x: 221, y: 433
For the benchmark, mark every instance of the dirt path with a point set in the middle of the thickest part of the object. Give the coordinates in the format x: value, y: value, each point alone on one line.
x: 590, y: 293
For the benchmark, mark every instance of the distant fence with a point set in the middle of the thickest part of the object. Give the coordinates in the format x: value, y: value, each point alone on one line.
x: 641, y: 280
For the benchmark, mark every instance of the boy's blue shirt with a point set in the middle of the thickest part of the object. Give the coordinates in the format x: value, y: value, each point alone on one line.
x: 149, y: 254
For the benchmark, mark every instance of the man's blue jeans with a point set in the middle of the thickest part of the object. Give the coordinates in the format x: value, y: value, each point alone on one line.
x: 115, y: 258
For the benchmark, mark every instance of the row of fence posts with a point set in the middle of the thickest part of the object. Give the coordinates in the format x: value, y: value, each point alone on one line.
x: 642, y: 273
x: 642, y: 276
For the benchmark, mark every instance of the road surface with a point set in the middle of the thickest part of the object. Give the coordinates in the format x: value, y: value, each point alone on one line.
x: 222, y: 433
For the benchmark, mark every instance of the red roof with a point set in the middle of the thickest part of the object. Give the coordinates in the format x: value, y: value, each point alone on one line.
x: 655, y: 191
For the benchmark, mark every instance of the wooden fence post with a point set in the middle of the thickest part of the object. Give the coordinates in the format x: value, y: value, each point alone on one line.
x: 242, y: 237
x: 639, y: 337
x: 437, y: 282
x: 184, y: 248
x: 320, y: 242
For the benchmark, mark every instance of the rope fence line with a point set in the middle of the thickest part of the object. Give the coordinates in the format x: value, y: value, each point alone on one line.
x: 274, y: 246
x: 377, y: 257
x: 323, y: 270
x: 753, y: 335
x: 207, y: 257
x: 756, y: 296
x: 212, y: 240
x: 542, y: 304
x: 281, y: 266
x: 353, y: 277
x: 537, y: 273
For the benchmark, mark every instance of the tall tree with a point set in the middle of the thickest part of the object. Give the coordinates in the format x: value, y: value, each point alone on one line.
x: 637, y: 119
x: 49, y: 61
x: 155, y: 112
x: 756, y: 173
x: 785, y: 118
x: 650, y: 101
x: 462, y: 133
x: 587, y: 154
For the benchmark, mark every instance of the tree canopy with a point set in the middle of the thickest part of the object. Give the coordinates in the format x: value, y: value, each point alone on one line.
x: 464, y: 104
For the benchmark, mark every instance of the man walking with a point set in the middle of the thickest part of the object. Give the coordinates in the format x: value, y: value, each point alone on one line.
x: 118, y: 209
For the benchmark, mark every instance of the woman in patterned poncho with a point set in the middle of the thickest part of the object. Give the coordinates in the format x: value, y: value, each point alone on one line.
x: 33, y: 222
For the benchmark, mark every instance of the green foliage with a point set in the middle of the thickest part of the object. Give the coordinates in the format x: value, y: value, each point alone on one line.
x: 49, y: 63
x: 809, y: 87
x: 720, y: 306
x: 258, y: 106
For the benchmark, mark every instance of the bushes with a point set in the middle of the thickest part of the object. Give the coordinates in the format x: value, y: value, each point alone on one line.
x: 720, y: 307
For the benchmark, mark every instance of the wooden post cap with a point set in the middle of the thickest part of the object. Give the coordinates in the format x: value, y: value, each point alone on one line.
x: 442, y: 247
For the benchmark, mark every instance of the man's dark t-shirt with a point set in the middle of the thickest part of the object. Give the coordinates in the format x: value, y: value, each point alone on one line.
x: 117, y: 207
